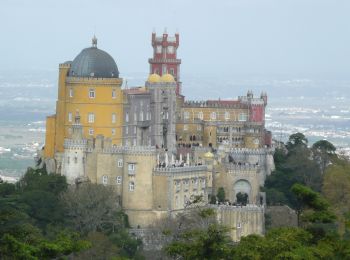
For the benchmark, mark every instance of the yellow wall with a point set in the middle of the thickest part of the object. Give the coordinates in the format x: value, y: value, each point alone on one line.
x: 49, y: 151
x: 103, y: 106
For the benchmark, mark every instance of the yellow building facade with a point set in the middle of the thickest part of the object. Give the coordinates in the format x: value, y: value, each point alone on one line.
x: 90, y: 87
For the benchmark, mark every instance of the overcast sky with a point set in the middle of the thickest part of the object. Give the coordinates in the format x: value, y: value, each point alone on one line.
x: 308, y: 38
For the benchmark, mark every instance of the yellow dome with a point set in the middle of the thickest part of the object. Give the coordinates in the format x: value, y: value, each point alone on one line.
x: 209, y: 155
x: 153, y: 78
x: 167, y: 78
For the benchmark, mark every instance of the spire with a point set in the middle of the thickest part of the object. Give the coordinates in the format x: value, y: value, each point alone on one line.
x: 94, y: 41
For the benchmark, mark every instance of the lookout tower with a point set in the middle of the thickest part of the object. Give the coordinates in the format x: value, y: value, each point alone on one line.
x: 165, y: 59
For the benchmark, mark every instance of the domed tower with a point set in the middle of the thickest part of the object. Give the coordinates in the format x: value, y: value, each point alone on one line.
x: 91, y: 85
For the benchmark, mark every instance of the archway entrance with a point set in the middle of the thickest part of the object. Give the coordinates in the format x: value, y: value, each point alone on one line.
x: 242, y: 192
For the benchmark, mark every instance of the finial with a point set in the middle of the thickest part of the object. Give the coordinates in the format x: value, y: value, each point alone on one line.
x: 154, y: 30
x: 94, y: 41
x: 165, y: 30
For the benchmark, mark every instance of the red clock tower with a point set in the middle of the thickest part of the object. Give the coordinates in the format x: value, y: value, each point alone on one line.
x: 164, y: 57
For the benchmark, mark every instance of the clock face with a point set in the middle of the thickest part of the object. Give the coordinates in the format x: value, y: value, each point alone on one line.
x: 159, y: 48
x: 171, y: 49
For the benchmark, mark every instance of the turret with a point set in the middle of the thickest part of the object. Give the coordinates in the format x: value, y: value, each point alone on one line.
x: 164, y: 59
x: 74, y: 159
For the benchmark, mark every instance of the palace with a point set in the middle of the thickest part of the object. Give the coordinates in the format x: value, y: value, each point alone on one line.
x: 157, y: 149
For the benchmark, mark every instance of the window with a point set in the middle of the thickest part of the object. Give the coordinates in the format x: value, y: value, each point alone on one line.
x: 131, y: 168
x: 159, y: 49
x: 126, y: 130
x: 185, y: 127
x: 113, y: 131
x: 91, y: 117
x: 200, y: 115
x: 134, y: 143
x: 70, y: 92
x: 172, y: 72
x: 227, y: 115
x: 186, y: 115
x: 213, y: 115
x: 127, y: 117
x: 104, y: 179
x: 141, y: 115
x: 114, y: 93
x: 199, y: 128
x: 70, y: 117
x: 242, y: 117
x: 91, y: 93
x: 135, y: 116
x: 131, y: 186
x: 119, y: 180
x: 114, y: 118
x: 135, y: 129
x: 91, y: 131
x: 120, y: 163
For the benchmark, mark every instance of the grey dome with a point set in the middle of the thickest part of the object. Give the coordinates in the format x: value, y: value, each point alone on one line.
x: 93, y: 62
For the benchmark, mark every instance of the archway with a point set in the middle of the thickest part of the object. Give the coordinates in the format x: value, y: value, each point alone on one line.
x: 242, y: 192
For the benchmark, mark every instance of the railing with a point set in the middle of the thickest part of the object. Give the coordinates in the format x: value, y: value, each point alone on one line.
x: 180, y: 169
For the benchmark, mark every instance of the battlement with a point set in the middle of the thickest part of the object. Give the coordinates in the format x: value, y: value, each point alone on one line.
x: 65, y: 65
x: 168, y: 171
x: 133, y: 150
x: 75, y: 144
x: 249, y: 151
x: 165, y: 38
x: 231, y: 167
x: 248, y: 207
x: 216, y: 104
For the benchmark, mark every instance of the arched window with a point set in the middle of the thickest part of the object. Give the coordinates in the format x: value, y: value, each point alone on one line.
x: 131, y: 186
x: 213, y: 115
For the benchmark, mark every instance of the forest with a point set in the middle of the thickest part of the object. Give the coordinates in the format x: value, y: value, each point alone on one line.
x: 41, y: 217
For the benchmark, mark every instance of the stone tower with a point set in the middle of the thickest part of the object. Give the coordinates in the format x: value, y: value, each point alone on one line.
x: 73, y: 163
x: 163, y: 106
x: 165, y: 59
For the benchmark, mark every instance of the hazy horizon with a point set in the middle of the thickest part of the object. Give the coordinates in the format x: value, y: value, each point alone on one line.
x: 291, y: 38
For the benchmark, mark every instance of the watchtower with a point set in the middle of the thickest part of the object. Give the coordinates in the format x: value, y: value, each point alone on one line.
x: 165, y: 59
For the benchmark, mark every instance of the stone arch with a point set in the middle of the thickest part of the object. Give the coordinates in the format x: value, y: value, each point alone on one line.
x: 242, y: 186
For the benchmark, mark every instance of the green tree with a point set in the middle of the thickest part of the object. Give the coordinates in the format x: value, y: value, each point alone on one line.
x: 221, y: 194
x: 211, y: 243
x: 336, y: 188
x: 323, y: 153
x: 92, y: 207
x: 295, y: 140
x: 312, y: 207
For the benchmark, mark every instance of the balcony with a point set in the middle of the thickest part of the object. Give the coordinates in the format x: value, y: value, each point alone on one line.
x: 144, y: 123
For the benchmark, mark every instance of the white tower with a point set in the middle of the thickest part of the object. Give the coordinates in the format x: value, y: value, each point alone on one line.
x: 73, y: 163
